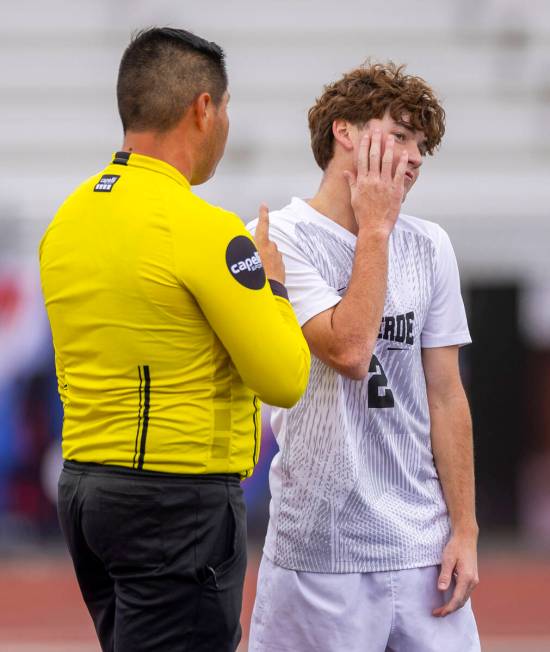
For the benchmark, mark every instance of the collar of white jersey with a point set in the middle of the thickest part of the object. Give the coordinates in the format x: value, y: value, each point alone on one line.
x: 300, y: 207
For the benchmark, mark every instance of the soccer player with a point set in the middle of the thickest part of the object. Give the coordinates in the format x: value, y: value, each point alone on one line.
x: 167, y: 334
x: 372, y: 538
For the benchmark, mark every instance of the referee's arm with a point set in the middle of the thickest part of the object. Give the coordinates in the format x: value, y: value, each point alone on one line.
x: 251, y: 315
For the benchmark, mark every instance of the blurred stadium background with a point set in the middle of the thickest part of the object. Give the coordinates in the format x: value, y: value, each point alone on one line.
x: 489, y: 186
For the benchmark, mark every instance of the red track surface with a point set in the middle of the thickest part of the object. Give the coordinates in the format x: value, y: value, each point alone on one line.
x: 40, y: 601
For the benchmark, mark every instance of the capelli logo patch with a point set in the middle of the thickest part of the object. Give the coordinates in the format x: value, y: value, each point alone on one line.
x: 248, y: 264
x: 244, y: 264
x: 106, y: 183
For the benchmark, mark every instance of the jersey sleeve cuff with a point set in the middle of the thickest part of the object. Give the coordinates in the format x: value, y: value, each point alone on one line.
x: 434, y: 341
x: 304, y: 314
x: 278, y: 289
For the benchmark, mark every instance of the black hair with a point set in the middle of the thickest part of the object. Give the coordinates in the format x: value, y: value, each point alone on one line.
x: 162, y: 71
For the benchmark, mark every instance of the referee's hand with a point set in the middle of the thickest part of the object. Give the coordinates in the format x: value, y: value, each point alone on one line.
x: 271, y: 258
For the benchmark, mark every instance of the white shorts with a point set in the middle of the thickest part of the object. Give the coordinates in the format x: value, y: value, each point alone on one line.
x: 387, y: 611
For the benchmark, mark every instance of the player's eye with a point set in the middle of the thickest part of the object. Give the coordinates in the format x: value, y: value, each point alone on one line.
x: 399, y: 136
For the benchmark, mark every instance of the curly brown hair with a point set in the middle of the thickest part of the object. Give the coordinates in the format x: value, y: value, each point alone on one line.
x: 368, y: 92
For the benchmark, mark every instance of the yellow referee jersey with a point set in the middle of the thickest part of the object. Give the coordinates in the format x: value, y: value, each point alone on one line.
x: 166, y: 332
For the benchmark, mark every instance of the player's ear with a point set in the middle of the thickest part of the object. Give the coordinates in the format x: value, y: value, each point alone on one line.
x: 342, y: 131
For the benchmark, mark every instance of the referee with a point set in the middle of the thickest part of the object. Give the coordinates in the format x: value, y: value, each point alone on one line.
x: 168, y: 331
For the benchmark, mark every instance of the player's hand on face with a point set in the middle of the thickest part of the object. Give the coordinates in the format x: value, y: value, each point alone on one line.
x: 376, y: 193
x: 271, y: 258
x: 459, y: 563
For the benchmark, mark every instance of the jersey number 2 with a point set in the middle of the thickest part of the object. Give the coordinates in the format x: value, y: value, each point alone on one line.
x: 380, y: 395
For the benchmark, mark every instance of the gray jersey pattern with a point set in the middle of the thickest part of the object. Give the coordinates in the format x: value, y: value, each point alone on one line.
x: 354, y: 486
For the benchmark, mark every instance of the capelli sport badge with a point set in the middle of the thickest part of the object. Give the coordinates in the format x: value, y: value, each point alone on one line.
x: 106, y: 183
x: 244, y: 264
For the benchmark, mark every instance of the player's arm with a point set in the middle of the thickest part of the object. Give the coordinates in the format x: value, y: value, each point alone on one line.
x: 251, y: 315
x: 452, y: 445
x: 344, y: 336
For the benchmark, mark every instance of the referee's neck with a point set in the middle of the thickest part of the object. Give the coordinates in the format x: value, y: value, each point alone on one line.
x: 164, y: 147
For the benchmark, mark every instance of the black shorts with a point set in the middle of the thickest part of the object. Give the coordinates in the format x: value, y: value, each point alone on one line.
x: 160, y: 559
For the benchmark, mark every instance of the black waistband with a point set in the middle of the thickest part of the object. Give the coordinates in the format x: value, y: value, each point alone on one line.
x: 111, y: 469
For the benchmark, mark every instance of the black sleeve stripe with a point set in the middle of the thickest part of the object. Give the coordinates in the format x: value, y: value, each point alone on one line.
x: 278, y: 289
x: 147, y: 399
x: 255, y: 422
x: 139, y: 417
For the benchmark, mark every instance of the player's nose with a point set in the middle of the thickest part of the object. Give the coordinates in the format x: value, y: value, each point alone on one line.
x: 415, y: 157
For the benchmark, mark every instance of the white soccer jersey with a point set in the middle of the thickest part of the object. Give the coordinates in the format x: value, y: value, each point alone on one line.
x: 354, y: 486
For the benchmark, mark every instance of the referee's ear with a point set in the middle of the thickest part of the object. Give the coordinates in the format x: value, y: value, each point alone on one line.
x: 203, y: 109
